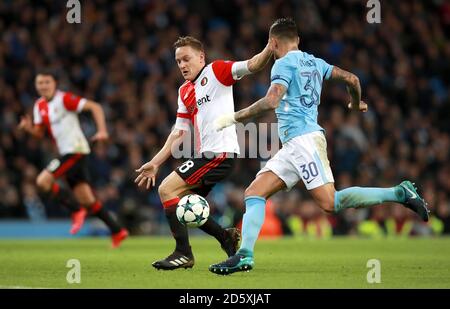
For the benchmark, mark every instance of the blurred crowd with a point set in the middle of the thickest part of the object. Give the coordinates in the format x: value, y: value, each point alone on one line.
x: 121, y: 56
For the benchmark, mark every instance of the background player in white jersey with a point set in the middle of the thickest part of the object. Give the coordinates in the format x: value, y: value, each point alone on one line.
x: 57, y: 113
x: 206, y: 94
x: 294, y: 94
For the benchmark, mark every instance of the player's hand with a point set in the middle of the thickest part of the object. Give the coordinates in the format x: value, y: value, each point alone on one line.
x: 271, y: 45
x: 25, y: 123
x: 147, y: 175
x: 224, y: 121
x: 362, y: 107
x: 100, y: 136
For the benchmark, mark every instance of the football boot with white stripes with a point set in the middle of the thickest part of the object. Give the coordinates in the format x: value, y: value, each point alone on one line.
x: 174, y: 261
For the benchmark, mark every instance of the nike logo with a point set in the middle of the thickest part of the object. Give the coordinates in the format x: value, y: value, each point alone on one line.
x: 308, y: 182
x: 412, y: 193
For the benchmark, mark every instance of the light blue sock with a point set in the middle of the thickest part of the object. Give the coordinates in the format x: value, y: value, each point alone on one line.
x: 255, y: 211
x: 365, y: 197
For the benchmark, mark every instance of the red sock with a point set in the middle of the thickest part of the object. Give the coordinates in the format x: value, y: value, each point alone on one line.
x: 55, y: 188
x: 171, y: 204
x: 96, y: 207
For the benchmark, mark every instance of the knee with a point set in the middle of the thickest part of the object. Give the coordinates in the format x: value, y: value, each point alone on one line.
x: 164, y: 191
x: 43, y: 183
x: 85, y: 201
x: 327, y: 204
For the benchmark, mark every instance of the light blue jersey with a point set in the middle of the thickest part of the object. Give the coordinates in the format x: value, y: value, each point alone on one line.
x: 302, y: 74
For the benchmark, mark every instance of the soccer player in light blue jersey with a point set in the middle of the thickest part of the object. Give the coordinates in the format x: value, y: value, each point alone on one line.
x: 294, y: 94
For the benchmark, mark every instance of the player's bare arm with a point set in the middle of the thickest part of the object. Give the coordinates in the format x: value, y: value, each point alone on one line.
x: 99, y: 118
x: 353, y: 87
x: 254, y: 64
x: 148, y: 171
x: 259, y: 61
x: 26, y: 124
x: 269, y: 102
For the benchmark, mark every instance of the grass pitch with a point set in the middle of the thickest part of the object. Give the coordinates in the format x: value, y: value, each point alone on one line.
x: 281, y: 263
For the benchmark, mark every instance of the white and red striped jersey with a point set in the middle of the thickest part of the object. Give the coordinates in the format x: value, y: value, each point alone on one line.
x: 60, y: 117
x: 201, y: 101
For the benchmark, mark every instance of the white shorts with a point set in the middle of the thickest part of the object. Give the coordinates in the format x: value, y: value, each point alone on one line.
x: 302, y: 157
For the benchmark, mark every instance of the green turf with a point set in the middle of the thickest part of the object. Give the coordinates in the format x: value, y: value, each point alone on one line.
x: 283, y: 263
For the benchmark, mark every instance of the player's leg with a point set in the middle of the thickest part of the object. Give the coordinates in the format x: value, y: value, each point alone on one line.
x: 85, y: 196
x: 47, y: 185
x: 324, y: 196
x: 171, y: 189
x: 227, y: 237
x: 195, y: 175
x: 279, y: 173
x: 78, y: 178
x: 405, y: 193
x: 217, y: 168
x: 360, y: 197
x: 265, y: 185
x: 49, y: 188
x: 44, y: 182
x: 318, y: 179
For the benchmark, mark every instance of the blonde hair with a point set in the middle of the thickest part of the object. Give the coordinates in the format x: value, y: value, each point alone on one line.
x: 188, y: 41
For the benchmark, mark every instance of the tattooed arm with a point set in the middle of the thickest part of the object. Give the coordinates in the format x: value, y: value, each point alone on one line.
x: 254, y: 64
x: 269, y: 102
x: 353, y: 88
x: 259, y: 61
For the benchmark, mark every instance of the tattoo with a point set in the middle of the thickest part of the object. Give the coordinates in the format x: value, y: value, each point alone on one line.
x: 352, y: 81
x: 269, y: 102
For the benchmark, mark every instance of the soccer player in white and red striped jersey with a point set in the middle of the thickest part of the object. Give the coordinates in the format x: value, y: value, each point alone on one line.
x: 57, y: 113
x: 206, y: 94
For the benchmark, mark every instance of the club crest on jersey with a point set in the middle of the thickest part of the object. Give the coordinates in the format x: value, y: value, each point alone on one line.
x: 204, y: 81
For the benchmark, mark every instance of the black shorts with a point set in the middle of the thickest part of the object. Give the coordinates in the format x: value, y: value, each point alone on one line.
x: 72, y: 166
x: 206, y: 171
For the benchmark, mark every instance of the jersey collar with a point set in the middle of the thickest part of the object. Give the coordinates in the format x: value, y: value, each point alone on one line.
x: 54, y: 95
x: 199, y: 73
x: 293, y: 51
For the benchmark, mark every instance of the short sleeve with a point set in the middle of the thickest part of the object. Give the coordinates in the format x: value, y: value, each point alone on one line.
x: 223, y: 72
x: 183, y: 117
x: 73, y: 102
x: 324, y: 68
x: 281, y: 73
x: 239, y: 69
x: 37, y: 118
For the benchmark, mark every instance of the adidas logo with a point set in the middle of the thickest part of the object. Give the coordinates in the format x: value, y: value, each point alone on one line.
x: 177, y: 262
